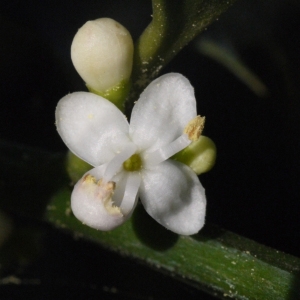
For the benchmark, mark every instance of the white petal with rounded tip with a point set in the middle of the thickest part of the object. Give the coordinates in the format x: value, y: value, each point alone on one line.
x: 88, y: 205
x: 90, y: 209
x: 93, y: 128
x: 173, y: 195
x: 162, y: 112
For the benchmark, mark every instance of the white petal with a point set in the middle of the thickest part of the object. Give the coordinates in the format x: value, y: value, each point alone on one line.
x: 173, y: 195
x: 93, y: 128
x: 89, y: 207
x: 93, y: 204
x: 162, y: 112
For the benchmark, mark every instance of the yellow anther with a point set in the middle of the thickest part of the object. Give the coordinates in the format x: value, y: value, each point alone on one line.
x: 194, y: 128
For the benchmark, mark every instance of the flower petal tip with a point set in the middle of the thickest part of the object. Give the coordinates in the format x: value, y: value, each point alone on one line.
x: 176, y: 198
x: 92, y: 204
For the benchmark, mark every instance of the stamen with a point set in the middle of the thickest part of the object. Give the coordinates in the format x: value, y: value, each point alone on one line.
x: 192, y: 132
x: 131, y: 191
x: 167, y: 151
x: 103, y: 191
x: 115, y: 164
x: 194, y: 128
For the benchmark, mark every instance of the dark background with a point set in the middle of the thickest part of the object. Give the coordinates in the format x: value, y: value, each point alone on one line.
x: 254, y: 188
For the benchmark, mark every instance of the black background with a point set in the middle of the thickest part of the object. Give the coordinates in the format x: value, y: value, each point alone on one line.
x: 254, y: 188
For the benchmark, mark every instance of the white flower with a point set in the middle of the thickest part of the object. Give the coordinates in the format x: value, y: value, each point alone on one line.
x: 132, y: 161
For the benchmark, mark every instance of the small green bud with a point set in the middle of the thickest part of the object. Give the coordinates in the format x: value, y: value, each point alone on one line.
x: 76, y: 167
x: 200, y: 155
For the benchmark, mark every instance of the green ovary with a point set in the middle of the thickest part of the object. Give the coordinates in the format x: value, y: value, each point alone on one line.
x: 133, y: 163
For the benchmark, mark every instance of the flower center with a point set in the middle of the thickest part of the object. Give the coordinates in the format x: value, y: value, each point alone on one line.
x: 133, y: 163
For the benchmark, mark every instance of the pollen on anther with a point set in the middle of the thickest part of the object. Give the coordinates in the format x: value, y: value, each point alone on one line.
x: 88, y: 178
x: 194, y: 128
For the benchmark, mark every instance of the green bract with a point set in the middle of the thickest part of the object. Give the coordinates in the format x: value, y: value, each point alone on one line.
x: 199, y: 155
x: 116, y: 94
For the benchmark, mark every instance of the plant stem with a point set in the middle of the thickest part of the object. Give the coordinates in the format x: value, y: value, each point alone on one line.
x: 215, y: 260
x: 174, y: 25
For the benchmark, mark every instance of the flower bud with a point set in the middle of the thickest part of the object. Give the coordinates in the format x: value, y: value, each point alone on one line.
x: 102, y: 54
x: 200, y: 155
x: 76, y: 167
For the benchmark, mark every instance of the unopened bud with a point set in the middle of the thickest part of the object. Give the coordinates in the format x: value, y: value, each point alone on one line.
x: 102, y: 54
x: 200, y: 155
x: 76, y: 167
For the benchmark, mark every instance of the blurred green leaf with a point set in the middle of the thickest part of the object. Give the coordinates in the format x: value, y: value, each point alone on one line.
x: 234, y: 64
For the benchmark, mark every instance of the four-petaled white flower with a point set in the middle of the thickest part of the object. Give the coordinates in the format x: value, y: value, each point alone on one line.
x: 132, y: 161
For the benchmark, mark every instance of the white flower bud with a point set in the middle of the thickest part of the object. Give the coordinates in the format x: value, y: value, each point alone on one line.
x: 102, y: 54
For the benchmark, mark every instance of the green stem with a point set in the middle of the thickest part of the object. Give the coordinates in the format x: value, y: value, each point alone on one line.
x: 217, y: 261
x: 174, y: 25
